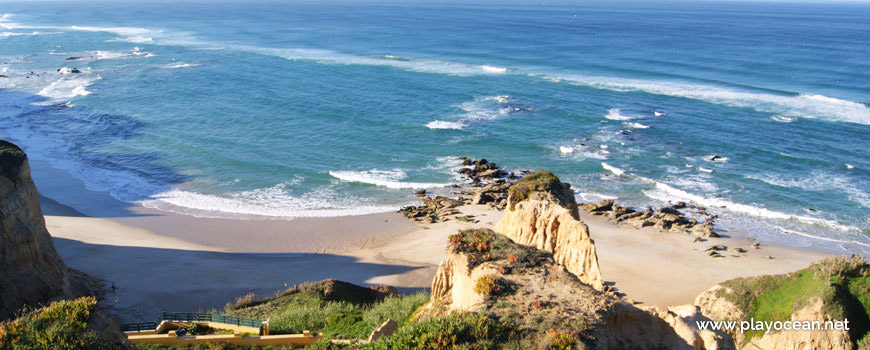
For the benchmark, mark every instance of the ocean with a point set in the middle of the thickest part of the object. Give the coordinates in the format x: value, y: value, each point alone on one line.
x: 285, y: 109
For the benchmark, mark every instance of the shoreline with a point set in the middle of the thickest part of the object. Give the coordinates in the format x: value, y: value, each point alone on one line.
x: 162, y: 261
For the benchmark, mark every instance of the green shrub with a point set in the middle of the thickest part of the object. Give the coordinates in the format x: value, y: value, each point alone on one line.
x: 488, y: 285
x: 398, y: 309
x: 463, y: 331
x: 60, y: 325
x: 842, y: 284
x: 293, y: 313
x: 11, y: 158
x: 559, y: 340
x: 543, y: 180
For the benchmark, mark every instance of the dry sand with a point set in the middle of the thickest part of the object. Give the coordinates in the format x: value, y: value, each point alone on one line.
x: 665, y: 268
x: 160, y: 261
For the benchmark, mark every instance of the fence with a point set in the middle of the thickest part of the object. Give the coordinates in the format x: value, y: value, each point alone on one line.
x: 191, y: 317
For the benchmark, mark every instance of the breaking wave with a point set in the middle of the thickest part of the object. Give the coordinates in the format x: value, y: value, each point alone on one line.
x: 384, y: 178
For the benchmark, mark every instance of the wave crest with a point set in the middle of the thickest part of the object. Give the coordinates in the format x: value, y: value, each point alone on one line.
x: 384, y: 178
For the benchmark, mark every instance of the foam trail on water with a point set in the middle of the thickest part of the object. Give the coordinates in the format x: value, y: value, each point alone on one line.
x: 385, y: 178
x: 616, y: 171
x: 441, y: 124
x: 67, y: 88
x: 786, y: 231
x: 635, y: 125
x: 614, y: 114
x: 273, y: 202
x: 665, y: 193
x: 787, y: 105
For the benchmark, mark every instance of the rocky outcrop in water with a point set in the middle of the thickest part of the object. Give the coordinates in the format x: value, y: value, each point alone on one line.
x: 31, y: 272
x: 480, y: 170
x: 542, y: 213
x: 666, y: 218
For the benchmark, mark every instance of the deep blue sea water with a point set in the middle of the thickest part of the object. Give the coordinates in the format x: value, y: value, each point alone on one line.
x: 291, y: 109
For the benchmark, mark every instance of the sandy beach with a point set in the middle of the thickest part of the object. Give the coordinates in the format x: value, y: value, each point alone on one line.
x: 160, y: 261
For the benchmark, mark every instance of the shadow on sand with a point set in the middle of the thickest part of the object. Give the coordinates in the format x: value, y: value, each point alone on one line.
x: 148, y: 281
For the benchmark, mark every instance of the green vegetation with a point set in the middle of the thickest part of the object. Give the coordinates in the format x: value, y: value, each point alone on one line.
x: 543, y: 180
x: 60, y: 325
x: 841, y: 283
x: 561, y: 340
x: 11, y: 158
x: 462, y: 331
x: 335, y: 314
x: 482, y: 245
x: 488, y: 285
x: 212, y: 346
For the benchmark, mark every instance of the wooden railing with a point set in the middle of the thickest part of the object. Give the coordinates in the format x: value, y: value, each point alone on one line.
x: 192, y: 317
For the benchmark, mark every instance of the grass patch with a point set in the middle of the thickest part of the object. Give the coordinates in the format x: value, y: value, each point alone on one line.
x: 543, y: 181
x: 482, y: 245
x: 334, y: 318
x: 842, y: 284
x: 61, y: 325
x: 457, y: 331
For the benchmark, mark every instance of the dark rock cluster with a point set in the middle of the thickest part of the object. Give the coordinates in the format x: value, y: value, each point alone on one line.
x: 667, y: 218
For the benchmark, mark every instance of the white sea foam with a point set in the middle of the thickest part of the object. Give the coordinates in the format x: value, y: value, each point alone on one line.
x: 849, y: 166
x: 124, y: 31
x: 480, y: 109
x: 274, y: 201
x: 782, y: 119
x: 67, y: 87
x: 820, y: 181
x: 829, y: 239
x: 798, y: 105
x: 441, y: 124
x: 635, y: 125
x: 135, y: 39
x: 616, y: 171
x: 664, y: 192
x: 705, y: 170
x: 591, y: 197
x: 385, y: 178
x: 493, y: 70
x: 658, y: 114
x: 614, y: 114
x: 179, y: 65
x: 566, y: 150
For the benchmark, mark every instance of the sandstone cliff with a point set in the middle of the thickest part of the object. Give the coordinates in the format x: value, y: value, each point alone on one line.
x: 489, y: 273
x: 31, y: 272
x: 833, y: 289
x: 542, y: 213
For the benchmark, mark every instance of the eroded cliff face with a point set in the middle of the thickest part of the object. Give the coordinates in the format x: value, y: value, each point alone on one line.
x: 31, y: 272
x: 546, y: 218
x: 540, y: 296
x: 715, y: 305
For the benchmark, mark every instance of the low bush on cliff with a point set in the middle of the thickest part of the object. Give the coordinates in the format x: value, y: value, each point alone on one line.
x: 482, y: 245
x: 843, y: 285
x: 11, y: 158
x: 457, y: 331
x: 543, y: 181
x: 334, y: 313
x: 60, y: 325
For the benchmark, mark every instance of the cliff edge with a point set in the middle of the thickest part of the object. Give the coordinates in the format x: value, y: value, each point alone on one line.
x: 31, y: 272
x: 542, y: 213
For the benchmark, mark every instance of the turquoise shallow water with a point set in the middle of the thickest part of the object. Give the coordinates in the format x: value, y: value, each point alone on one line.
x: 286, y: 109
